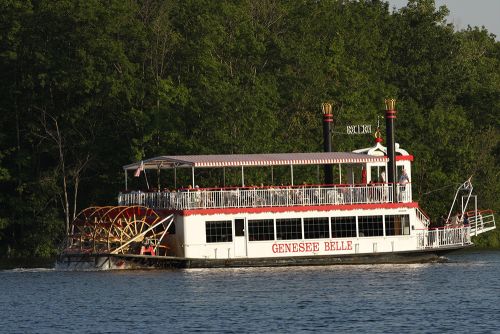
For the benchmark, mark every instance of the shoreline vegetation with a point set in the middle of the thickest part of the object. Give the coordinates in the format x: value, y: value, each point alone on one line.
x: 89, y: 86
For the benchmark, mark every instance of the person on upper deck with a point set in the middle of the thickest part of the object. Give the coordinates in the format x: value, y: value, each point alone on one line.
x: 382, y: 177
x: 404, y: 179
x: 456, y: 220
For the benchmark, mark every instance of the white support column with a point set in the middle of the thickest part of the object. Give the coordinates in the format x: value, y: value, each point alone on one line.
x: 242, y: 177
x: 158, y: 178
x: 175, y: 177
x: 383, y: 226
x: 126, y: 185
x: 291, y: 173
x: 340, y: 174
x: 357, y: 226
x: 223, y: 176
x: 192, y: 176
x: 302, y: 227
x: 275, y: 232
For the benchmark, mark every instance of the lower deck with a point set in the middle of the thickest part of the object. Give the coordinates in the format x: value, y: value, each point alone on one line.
x: 123, y: 236
x: 291, y: 234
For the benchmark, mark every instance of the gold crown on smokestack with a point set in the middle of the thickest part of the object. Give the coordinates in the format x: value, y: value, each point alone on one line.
x: 390, y: 104
x: 326, y: 107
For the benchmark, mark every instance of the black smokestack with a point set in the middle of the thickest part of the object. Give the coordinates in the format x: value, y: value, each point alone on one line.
x: 390, y: 116
x: 327, y: 139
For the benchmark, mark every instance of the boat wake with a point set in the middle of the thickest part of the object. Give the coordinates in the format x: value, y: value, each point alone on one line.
x: 29, y: 270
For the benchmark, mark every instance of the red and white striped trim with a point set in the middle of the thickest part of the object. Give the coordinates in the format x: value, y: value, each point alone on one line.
x: 283, y: 162
x: 278, y: 209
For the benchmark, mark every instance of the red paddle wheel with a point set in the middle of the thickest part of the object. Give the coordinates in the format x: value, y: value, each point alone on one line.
x: 118, y: 230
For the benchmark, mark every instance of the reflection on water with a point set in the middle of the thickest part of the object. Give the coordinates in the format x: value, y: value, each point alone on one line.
x: 460, y: 294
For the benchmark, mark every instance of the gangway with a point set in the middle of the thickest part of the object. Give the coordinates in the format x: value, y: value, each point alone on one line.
x: 481, y: 221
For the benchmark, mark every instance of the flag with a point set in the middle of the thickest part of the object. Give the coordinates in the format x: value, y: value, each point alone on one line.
x: 139, y: 170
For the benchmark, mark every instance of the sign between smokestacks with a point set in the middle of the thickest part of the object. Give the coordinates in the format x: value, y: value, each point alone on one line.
x: 360, y: 129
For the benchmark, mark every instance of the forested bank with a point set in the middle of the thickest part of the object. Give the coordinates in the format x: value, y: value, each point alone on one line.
x: 89, y: 86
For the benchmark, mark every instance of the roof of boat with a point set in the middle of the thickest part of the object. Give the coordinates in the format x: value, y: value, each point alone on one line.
x: 265, y: 159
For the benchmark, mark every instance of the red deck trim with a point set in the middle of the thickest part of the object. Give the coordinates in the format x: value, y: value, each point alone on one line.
x: 404, y: 157
x: 345, y: 207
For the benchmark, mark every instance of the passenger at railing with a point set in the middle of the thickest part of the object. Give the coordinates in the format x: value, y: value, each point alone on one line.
x: 371, y: 191
x: 301, y: 194
x: 382, y: 190
x: 456, y: 220
x: 345, y: 192
x: 382, y: 177
x: 466, y: 219
x: 234, y: 197
x: 316, y: 196
x: 403, y: 181
x: 273, y: 196
x: 258, y: 196
x: 197, y: 196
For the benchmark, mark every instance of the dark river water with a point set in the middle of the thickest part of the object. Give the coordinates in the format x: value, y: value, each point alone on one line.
x: 461, y: 295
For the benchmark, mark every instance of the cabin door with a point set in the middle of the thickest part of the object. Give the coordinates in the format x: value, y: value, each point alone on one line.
x: 240, y: 240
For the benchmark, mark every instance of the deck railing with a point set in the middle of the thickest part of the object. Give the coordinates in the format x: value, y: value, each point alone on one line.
x: 481, y: 222
x: 266, y: 197
x: 444, y: 237
x: 424, y: 219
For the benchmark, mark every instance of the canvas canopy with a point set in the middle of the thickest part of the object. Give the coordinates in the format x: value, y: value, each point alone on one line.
x: 240, y: 160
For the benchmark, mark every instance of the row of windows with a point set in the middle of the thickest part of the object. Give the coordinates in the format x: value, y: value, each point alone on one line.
x: 314, y: 228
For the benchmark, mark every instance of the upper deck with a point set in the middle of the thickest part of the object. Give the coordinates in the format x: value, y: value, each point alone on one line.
x: 361, y: 181
x: 284, y: 196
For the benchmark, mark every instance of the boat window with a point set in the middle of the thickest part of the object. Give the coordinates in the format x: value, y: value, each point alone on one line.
x: 397, y: 225
x: 378, y: 174
x: 343, y: 227
x: 219, y: 231
x: 260, y: 229
x: 316, y: 228
x: 287, y: 229
x: 370, y: 226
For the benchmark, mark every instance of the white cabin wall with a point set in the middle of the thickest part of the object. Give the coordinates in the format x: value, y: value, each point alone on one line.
x: 195, y: 245
x: 176, y: 241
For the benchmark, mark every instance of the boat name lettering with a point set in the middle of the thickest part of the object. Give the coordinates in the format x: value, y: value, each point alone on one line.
x: 296, y: 247
x: 360, y: 129
x: 338, y: 245
x: 302, y: 247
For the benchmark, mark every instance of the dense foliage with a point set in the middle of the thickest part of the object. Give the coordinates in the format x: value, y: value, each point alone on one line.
x: 88, y: 86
